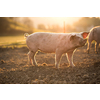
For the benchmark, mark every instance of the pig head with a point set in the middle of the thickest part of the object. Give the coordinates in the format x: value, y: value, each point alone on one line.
x: 58, y: 43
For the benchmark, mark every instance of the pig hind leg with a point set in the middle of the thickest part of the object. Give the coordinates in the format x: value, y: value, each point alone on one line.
x: 31, y: 57
x: 89, y: 45
x: 96, y: 47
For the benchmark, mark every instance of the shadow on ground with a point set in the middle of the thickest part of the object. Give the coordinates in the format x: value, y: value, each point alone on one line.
x: 14, y: 68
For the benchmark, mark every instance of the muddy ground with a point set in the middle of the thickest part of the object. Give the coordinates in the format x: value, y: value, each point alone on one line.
x: 14, y: 68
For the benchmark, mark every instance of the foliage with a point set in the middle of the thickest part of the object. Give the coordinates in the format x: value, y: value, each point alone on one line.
x: 27, y: 21
x: 21, y: 25
x: 9, y: 27
x: 54, y: 28
x: 41, y: 26
x: 86, y: 22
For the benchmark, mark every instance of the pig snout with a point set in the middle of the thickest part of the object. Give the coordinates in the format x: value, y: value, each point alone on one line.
x: 82, y: 42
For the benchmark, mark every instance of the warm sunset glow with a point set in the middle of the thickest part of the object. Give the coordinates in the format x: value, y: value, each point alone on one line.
x: 54, y: 20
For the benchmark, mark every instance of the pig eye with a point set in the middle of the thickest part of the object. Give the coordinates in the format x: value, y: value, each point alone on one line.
x: 72, y: 37
x: 77, y: 38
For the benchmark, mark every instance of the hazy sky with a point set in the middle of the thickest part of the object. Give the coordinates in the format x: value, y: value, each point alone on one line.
x: 54, y: 20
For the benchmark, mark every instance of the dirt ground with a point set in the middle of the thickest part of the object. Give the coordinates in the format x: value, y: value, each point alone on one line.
x: 14, y: 68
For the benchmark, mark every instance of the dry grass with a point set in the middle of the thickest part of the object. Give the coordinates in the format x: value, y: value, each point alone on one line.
x: 12, y: 41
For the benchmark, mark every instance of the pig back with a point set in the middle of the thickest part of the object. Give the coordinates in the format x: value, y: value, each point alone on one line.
x: 95, y: 34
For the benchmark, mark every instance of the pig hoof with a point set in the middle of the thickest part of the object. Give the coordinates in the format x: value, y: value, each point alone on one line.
x: 29, y: 63
x: 36, y: 65
x: 96, y: 52
x: 71, y: 66
x: 87, y: 52
x: 57, y: 67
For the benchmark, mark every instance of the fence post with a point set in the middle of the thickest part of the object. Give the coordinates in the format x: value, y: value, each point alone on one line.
x: 64, y: 26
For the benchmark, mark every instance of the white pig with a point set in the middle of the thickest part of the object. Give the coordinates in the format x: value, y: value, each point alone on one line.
x: 58, y: 43
x: 94, y: 35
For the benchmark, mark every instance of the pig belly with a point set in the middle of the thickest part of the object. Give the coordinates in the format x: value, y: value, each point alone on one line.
x: 47, y: 47
x: 97, y: 38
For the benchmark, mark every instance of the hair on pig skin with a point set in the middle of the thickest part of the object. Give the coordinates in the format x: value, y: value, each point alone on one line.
x: 58, y: 43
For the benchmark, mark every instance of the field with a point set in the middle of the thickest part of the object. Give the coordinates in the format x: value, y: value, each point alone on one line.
x: 14, y: 67
x: 12, y: 41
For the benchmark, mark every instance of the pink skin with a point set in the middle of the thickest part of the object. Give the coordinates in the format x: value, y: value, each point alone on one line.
x: 58, y: 43
x: 31, y: 58
x: 94, y: 35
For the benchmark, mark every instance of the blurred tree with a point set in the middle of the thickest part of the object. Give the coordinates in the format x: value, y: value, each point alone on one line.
x: 27, y: 21
x: 83, y: 22
x: 10, y: 27
x: 41, y: 26
x: 68, y: 28
x: 4, y: 24
x: 16, y: 19
x: 49, y: 27
x: 95, y: 21
x: 56, y: 28
x: 86, y: 22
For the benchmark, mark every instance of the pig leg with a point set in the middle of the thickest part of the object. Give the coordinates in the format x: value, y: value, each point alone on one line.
x: 29, y: 57
x: 70, y: 58
x: 57, y: 58
x: 89, y: 45
x: 33, y: 59
x: 96, y: 47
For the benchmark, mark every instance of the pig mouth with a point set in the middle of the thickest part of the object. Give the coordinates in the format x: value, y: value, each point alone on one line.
x: 83, y: 43
x: 79, y: 45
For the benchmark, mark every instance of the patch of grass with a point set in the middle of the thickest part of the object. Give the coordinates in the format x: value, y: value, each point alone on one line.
x: 12, y: 41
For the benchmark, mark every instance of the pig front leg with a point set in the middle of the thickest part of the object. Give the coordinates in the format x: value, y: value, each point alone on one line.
x: 70, y: 58
x: 57, y: 58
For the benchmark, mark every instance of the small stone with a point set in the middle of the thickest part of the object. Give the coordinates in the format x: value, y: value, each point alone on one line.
x: 44, y: 64
x: 78, y: 75
x: 34, y: 81
x: 55, y: 82
x: 64, y: 82
x: 41, y: 82
x: 94, y: 74
x: 2, y: 61
x: 64, y: 64
x: 86, y: 76
x: 60, y: 82
x: 52, y: 81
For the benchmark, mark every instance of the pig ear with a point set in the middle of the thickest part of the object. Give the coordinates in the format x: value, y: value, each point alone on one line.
x: 72, y: 37
x: 85, y: 34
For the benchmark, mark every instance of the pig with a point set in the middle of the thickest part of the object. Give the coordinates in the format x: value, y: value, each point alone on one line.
x: 94, y: 35
x: 58, y: 43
